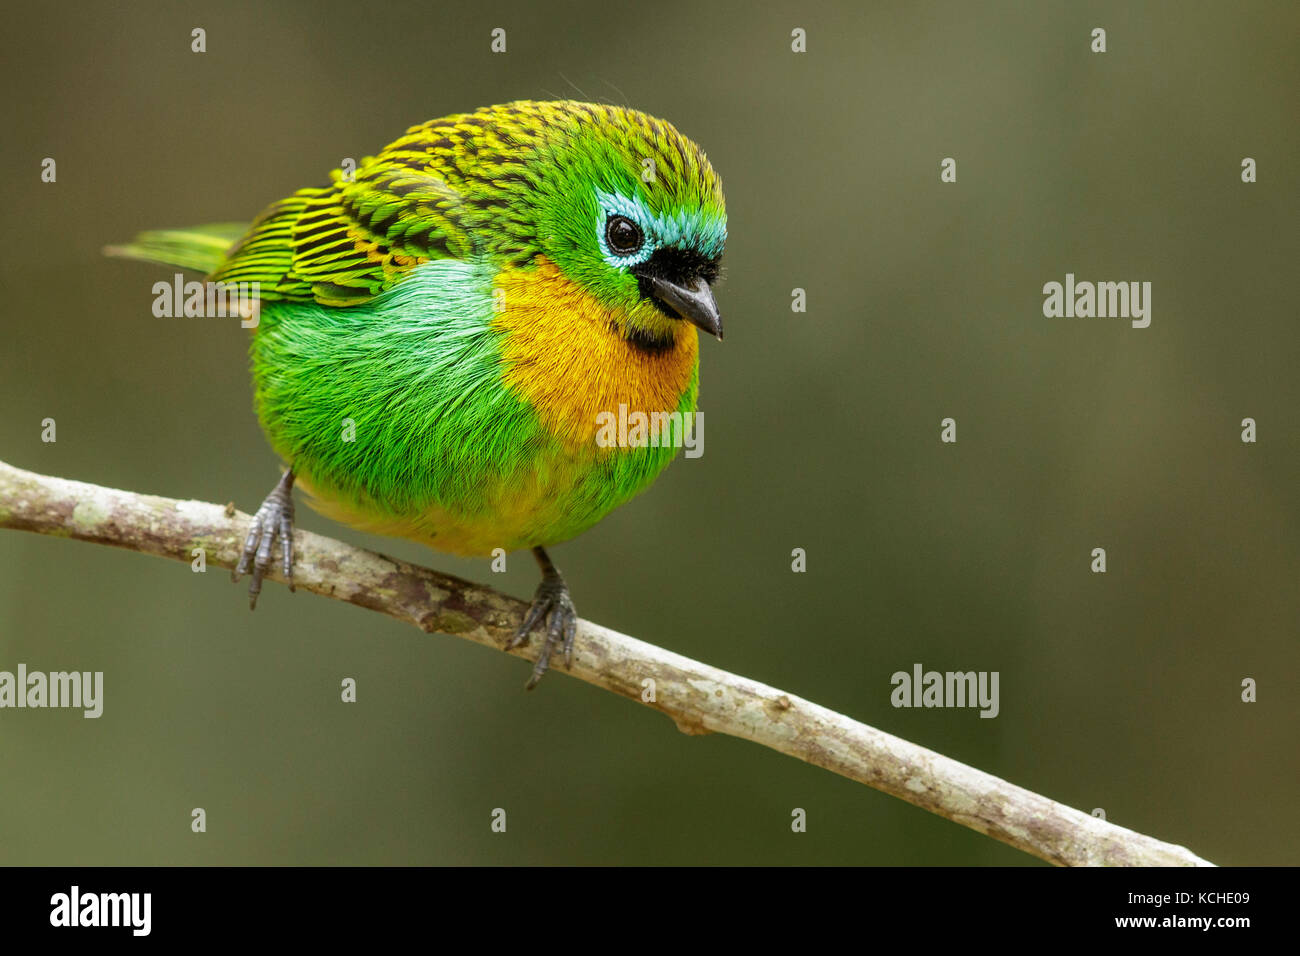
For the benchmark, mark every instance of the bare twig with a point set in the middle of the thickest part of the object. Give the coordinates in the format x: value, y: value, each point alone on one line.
x: 699, y: 698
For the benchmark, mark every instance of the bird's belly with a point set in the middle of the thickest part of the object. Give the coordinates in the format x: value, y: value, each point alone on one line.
x: 438, y: 527
x: 551, y: 501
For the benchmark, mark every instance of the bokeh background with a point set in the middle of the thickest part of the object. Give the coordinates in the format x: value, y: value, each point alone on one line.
x: 1119, y: 691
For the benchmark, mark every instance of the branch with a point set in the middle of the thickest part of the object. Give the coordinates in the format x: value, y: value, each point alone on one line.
x: 698, y: 698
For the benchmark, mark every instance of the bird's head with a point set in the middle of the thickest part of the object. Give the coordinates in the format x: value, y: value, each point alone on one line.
x: 630, y: 210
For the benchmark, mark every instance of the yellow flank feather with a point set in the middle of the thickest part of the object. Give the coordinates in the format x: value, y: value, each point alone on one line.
x: 564, y: 355
x: 513, y: 513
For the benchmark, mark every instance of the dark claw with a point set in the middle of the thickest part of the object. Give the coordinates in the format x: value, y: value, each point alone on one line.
x: 539, y: 608
x: 553, y: 605
x: 273, y: 519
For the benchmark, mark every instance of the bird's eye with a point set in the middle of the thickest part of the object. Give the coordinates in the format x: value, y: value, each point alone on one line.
x: 623, y: 235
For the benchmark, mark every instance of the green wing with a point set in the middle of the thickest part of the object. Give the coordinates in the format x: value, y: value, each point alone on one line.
x: 345, y: 243
x: 450, y: 188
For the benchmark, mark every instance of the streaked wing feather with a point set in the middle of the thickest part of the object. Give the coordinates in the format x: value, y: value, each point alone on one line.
x: 346, y: 243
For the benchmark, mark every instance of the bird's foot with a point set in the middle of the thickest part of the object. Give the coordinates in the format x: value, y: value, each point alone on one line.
x: 273, y: 520
x: 553, y: 605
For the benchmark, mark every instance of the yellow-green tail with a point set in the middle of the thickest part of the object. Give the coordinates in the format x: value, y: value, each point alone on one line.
x: 201, y: 248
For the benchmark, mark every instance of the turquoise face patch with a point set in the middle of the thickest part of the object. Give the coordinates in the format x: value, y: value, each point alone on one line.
x: 682, y: 228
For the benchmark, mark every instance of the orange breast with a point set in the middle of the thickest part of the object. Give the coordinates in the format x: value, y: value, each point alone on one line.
x: 564, y: 354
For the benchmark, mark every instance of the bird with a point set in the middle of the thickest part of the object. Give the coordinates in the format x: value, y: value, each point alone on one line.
x: 440, y: 327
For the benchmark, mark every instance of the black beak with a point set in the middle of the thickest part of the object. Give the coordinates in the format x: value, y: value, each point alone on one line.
x: 691, y: 300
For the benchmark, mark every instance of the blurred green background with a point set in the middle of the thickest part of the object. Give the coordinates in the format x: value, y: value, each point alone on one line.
x: 1118, y: 691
